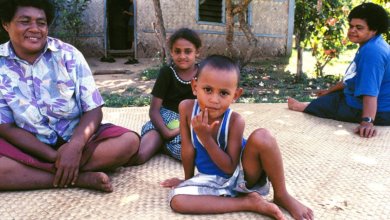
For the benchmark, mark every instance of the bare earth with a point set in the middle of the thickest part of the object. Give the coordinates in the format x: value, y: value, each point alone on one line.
x: 117, y: 77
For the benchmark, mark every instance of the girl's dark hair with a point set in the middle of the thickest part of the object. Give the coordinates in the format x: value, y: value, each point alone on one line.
x: 375, y: 15
x: 187, y: 34
x: 8, y: 8
x: 220, y: 62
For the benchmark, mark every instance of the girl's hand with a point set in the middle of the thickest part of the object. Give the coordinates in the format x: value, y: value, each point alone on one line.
x: 200, y: 123
x: 171, y: 183
x: 171, y: 133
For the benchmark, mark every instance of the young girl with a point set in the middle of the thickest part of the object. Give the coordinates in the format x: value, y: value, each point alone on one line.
x: 172, y: 86
x: 212, y: 140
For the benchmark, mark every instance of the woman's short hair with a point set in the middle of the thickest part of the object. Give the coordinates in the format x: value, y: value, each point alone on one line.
x: 8, y: 8
x: 375, y: 15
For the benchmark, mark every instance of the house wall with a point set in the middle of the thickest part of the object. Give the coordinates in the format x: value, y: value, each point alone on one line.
x: 92, y: 35
x: 270, y: 23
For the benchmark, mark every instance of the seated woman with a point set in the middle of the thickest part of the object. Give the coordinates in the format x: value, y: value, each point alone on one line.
x: 50, y: 109
x: 363, y: 96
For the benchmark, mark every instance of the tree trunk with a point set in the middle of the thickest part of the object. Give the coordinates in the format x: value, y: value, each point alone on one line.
x: 231, y: 11
x: 161, y: 33
x: 231, y: 50
x: 241, y: 8
x: 299, y: 57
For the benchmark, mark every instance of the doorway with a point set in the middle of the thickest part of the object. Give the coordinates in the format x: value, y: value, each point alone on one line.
x: 120, y: 28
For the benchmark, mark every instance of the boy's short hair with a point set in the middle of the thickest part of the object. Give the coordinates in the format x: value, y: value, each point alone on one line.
x: 8, y: 8
x: 220, y: 62
x: 375, y: 15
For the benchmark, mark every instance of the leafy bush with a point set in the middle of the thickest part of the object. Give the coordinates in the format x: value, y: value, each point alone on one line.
x: 149, y: 74
x: 69, y: 19
x: 118, y: 100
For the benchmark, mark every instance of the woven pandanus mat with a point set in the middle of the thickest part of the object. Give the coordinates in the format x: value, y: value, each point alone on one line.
x: 327, y: 167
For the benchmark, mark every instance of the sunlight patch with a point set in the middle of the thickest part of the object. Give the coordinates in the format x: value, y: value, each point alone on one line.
x: 341, y: 132
x: 247, y: 112
x: 129, y: 199
x: 364, y: 160
x: 377, y: 187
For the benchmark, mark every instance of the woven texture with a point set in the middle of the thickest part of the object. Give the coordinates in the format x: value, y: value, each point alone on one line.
x: 327, y: 167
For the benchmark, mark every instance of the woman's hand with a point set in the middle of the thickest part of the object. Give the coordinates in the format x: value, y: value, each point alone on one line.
x: 322, y: 92
x: 366, y: 129
x: 171, y: 183
x: 67, y: 164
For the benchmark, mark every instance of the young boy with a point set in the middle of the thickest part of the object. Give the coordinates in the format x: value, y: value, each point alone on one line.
x: 212, y: 140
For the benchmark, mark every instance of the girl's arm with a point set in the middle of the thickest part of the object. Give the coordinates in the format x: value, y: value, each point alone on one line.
x: 158, y: 122
x: 226, y: 161
x: 187, y: 149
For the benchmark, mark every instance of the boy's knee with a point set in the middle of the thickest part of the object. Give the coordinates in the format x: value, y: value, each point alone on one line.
x: 176, y: 204
x: 263, y: 138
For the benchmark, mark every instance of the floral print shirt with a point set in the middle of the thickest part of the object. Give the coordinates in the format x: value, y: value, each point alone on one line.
x: 48, y: 97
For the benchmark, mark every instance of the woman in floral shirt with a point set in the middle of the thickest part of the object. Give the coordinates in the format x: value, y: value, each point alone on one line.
x: 50, y: 109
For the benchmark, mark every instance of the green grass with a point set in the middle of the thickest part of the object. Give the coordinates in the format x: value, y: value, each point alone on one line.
x: 133, y: 97
x: 149, y: 74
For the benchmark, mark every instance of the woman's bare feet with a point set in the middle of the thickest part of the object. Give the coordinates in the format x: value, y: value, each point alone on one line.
x: 264, y: 207
x: 296, y: 209
x: 94, y: 180
x: 295, y: 105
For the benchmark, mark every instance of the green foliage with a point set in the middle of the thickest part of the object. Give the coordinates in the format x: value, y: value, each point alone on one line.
x: 149, y: 74
x: 270, y: 83
x: 118, y: 100
x: 69, y: 19
x: 322, y: 27
x: 386, y: 6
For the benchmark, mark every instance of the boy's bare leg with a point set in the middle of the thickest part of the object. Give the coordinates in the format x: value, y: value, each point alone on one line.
x: 151, y: 143
x: 113, y: 153
x: 253, y: 202
x: 262, y: 153
x: 295, y: 105
x: 17, y: 176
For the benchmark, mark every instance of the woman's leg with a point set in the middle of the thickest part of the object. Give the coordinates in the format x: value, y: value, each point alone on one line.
x: 296, y: 105
x: 17, y: 176
x: 253, y: 202
x: 262, y: 153
x: 113, y: 152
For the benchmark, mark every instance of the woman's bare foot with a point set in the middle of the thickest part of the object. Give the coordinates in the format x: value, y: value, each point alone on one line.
x: 264, y: 207
x: 296, y: 209
x: 94, y: 180
x: 295, y: 105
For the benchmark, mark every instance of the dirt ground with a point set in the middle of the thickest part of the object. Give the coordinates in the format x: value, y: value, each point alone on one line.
x: 116, y: 77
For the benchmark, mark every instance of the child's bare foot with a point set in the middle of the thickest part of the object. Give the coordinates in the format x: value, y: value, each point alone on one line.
x: 264, y: 207
x: 296, y: 209
x: 94, y: 180
x: 295, y: 105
